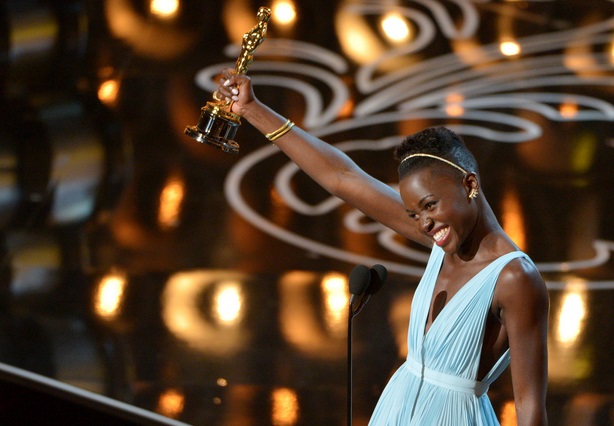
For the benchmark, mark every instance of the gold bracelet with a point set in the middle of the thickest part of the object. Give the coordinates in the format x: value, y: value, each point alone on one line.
x: 288, y: 125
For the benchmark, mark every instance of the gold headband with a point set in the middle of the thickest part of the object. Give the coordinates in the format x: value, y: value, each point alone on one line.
x: 456, y: 166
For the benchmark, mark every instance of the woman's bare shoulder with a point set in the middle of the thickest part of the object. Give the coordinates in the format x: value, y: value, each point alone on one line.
x: 521, y: 285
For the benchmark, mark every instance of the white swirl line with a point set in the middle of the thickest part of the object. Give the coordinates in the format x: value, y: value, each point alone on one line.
x: 528, y: 129
x: 283, y: 179
x: 441, y: 14
x: 602, y: 255
x: 315, y: 114
x: 591, y: 285
x: 289, y: 48
x: 232, y: 186
x: 425, y: 34
x: 491, y: 79
x: 601, y: 110
x: 417, y: 77
x: 232, y: 191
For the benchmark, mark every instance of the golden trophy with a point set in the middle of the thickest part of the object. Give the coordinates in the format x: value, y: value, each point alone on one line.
x: 217, y: 124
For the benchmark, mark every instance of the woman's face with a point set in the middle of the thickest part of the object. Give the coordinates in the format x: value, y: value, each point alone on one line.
x: 439, y: 206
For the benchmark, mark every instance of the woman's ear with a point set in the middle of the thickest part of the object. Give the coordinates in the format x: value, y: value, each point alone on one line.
x: 471, y: 185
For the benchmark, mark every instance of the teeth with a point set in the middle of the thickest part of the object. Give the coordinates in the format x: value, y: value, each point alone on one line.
x: 440, y: 234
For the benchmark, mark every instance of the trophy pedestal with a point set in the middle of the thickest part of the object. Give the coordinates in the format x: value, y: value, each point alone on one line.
x: 216, y: 127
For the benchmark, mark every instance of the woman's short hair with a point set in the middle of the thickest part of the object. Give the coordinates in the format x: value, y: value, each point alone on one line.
x: 438, y: 142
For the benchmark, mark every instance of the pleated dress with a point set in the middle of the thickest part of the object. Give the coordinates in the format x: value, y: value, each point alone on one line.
x: 436, y: 385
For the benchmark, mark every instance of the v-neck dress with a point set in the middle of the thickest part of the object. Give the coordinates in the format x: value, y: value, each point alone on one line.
x: 437, y: 385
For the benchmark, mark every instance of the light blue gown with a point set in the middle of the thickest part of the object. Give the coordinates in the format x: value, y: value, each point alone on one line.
x: 437, y: 384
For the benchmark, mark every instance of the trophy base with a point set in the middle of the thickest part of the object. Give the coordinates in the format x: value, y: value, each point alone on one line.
x: 216, y: 127
x: 220, y: 143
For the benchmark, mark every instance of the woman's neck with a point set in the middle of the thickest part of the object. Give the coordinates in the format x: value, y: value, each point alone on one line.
x: 484, y: 240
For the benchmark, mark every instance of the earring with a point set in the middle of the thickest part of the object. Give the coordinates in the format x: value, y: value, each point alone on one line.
x: 473, y: 194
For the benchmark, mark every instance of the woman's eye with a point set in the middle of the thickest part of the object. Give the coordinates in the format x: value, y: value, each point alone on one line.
x: 430, y: 205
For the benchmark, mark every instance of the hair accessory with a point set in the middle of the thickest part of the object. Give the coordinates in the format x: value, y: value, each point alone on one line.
x: 420, y: 154
x: 288, y: 125
x: 473, y: 194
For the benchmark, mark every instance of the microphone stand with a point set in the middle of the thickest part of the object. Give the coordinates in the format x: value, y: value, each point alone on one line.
x: 359, y: 282
x: 349, y: 366
x: 351, y: 314
x: 363, y: 286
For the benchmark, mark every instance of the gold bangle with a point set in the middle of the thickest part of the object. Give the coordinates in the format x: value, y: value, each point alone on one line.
x: 288, y: 125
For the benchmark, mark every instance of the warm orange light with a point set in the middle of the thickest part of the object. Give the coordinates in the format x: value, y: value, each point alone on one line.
x: 512, y: 218
x: 108, y: 91
x: 285, y: 411
x: 508, y: 414
x: 228, y: 303
x: 357, y: 38
x: 395, y: 27
x: 454, y: 107
x: 165, y: 9
x: 109, y: 295
x: 572, y: 313
x: 199, y: 321
x: 283, y: 12
x: 335, y: 294
x: 171, y: 403
x: 568, y: 109
x: 510, y: 48
x: 454, y: 110
x: 171, y: 200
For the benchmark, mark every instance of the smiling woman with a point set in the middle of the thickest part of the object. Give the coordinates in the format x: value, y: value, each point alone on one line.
x: 472, y: 280
x: 493, y: 299
x: 437, y: 158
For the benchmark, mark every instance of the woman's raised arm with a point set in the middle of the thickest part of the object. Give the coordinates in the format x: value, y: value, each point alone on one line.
x: 328, y: 166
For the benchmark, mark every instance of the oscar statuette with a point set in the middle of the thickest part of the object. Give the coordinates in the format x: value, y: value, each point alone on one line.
x: 217, y: 124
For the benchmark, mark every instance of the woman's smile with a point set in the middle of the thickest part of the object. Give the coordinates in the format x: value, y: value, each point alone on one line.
x: 440, y: 235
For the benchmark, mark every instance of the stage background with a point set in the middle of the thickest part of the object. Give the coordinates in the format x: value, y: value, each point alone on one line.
x: 211, y: 288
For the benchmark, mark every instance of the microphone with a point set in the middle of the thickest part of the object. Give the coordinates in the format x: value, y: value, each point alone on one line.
x: 363, y: 283
x: 377, y: 277
x: 359, y: 281
x: 378, y: 274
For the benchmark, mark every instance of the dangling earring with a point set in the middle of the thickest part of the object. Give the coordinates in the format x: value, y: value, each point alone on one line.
x: 473, y: 194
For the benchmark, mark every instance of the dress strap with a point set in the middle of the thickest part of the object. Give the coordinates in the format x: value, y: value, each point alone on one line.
x: 446, y: 381
x: 499, y: 263
x: 498, y: 368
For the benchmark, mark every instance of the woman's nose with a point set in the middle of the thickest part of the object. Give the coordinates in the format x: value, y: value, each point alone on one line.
x: 427, y: 224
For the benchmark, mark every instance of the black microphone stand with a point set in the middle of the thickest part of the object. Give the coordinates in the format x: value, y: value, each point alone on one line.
x: 349, y: 366
x: 359, y: 282
x: 351, y: 314
x: 364, y: 286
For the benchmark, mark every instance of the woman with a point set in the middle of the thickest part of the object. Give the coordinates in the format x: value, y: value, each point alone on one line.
x: 491, y: 299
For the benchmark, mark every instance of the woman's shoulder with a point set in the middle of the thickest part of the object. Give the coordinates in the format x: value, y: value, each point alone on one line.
x: 520, y: 281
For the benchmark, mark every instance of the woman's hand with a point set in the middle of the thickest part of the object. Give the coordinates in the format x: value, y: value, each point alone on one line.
x: 236, y: 89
